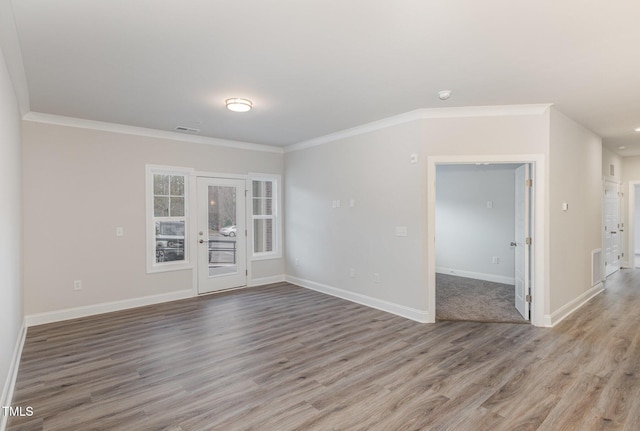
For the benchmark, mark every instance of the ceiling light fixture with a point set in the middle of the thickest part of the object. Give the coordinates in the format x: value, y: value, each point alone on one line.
x: 637, y: 129
x: 444, y: 94
x: 236, y: 104
x: 622, y: 147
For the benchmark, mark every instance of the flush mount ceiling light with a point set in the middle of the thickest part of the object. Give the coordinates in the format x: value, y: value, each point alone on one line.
x: 637, y: 129
x: 444, y: 94
x: 622, y: 147
x: 238, y: 105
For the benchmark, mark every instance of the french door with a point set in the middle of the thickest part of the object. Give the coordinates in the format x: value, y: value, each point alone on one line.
x: 221, y: 239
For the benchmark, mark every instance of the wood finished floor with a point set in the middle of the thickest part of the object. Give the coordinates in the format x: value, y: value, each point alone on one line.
x: 285, y: 358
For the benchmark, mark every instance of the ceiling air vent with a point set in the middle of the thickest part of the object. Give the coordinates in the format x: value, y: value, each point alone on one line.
x: 188, y: 130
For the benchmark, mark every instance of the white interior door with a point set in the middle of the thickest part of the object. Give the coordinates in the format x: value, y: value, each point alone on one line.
x: 522, y: 199
x: 221, y: 240
x: 612, y: 234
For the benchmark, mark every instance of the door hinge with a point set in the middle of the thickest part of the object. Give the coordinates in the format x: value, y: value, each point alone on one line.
x: 246, y: 272
x: 528, y: 298
x: 528, y: 183
x: 245, y: 233
x: 245, y: 193
x: 527, y: 240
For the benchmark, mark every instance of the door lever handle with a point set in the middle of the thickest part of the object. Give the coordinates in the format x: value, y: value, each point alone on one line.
x: 513, y: 244
x: 201, y: 241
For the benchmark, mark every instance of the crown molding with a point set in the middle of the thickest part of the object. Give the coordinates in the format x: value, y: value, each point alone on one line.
x: 423, y: 114
x: 38, y: 117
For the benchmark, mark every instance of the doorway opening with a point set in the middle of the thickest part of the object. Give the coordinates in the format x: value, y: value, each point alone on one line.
x: 481, y: 228
x: 482, y: 237
x: 633, y: 260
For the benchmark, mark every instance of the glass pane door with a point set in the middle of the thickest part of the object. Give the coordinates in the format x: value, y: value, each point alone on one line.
x: 221, y: 234
x: 222, y: 229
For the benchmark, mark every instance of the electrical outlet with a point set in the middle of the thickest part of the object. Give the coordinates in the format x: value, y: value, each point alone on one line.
x: 77, y: 285
x: 297, y: 262
x: 495, y: 259
x: 352, y: 272
x: 376, y: 277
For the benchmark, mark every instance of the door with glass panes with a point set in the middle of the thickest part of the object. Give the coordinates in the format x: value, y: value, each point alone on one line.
x: 221, y: 234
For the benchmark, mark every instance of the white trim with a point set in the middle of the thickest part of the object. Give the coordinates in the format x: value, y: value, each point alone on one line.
x: 10, y: 382
x: 105, y: 307
x: 266, y: 280
x: 539, y: 285
x: 563, y: 312
x: 225, y: 176
x: 389, y: 307
x: 422, y: 114
x: 80, y: 123
x: 476, y: 275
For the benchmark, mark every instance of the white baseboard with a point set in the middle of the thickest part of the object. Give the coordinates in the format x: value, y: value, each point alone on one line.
x: 476, y: 275
x: 10, y: 382
x: 266, y: 280
x: 421, y: 316
x: 566, y: 310
x: 106, y: 307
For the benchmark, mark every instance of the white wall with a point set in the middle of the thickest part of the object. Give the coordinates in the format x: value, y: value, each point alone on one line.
x: 79, y: 184
x: 373, y: 167
x: 11, y: 302
x: 609, y: 158
x: 468, y: 233
x: 575, y: 165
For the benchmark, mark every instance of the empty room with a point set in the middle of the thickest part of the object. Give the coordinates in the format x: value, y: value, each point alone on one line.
x: 248, y: 215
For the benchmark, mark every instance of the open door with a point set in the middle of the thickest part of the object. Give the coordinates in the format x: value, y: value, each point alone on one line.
x: 522, y: 241
x: 222, y: 241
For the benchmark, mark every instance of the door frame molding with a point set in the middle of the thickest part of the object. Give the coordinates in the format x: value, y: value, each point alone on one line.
x: 193, y: 235
x: 540, y: 306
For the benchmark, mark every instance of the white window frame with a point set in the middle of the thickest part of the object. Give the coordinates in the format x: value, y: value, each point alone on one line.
x: 152, y: 265
x: 276, y: 216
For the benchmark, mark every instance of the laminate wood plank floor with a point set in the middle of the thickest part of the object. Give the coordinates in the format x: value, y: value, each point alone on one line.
x: 284, y: 358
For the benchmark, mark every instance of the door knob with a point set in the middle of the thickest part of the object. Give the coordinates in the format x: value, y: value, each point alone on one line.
x: 201, y: 241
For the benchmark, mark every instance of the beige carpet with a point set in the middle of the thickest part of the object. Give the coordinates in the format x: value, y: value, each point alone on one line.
x: 459, y: 298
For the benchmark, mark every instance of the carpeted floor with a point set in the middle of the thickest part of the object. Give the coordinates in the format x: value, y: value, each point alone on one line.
x: 459, y: 298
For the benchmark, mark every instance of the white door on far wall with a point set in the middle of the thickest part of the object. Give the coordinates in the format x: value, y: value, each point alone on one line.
x: 523, y: 206
x: 222, y: 241
x: 612, y: 228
